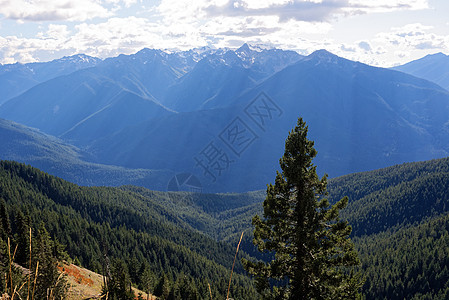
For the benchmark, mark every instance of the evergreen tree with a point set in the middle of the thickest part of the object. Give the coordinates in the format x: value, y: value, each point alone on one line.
x: 118, y: 282
x: 184, y: 288
x: 22, y: 238
x: 3, y: 265
x: 163, y: 288
x: 50, y: 283
x: 5, y: 225
x: 313, y: 252
x: 147, y: 279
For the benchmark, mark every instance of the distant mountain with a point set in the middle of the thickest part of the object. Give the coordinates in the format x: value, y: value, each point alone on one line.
x: 17, y: 78
x: 148, y: 73
x: 128, y: 89
x: 360, y: 118
x: 433, y: 67
x: 223, y: 75
x: 65, y: 105
x: 52, y: 155
x: 212, y: 81
x: 223, y: 115
x: 265, y: 62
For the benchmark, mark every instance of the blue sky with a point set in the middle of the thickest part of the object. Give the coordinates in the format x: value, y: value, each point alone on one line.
x: 378, y: 32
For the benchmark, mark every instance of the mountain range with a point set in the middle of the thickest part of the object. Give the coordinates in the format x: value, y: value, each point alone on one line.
x: 17, y: 78
x: 223, y: 115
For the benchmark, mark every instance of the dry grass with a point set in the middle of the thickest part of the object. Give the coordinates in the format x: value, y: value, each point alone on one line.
x: 233, y: 264
x: 85, y: 284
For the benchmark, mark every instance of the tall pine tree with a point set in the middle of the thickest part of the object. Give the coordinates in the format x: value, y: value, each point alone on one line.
x: 313, y: 255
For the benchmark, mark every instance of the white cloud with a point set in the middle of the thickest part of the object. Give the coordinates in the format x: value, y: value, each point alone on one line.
x: 412, y: 36
x: 397, y: 46
x: 129, y: 35
x: 49, y: 10
x: 56, y: 32
x: 301, y: 25
x: 110, y: 38
x: 274, y: 22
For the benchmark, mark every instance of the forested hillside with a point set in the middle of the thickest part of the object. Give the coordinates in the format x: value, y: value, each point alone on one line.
x: 50, y: 154
x: 399, y: 217
x: 409, y: 263
x: 400, y: 221
x: 94, y: 222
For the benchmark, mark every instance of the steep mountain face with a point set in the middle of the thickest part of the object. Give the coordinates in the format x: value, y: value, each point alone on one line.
x: 148, y: 73
x: 265, y: 62
x: 360, y: 116
x: 433, y: 67
x: 212, y: 81
x: 125, y: 109
x: 20, y: 142
x: 17, y: 78
x: 223, y: 75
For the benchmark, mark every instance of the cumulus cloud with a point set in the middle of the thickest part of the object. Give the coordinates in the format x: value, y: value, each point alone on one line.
x: 49, y: 10
x: 55, y: 32
x: 116, y: 35
x: 397, y: 46
x: 413, y: 36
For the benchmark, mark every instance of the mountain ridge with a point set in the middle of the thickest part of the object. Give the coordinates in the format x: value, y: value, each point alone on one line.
x: 433, y: 67
x: 17, y: 78
x: 53, y: 155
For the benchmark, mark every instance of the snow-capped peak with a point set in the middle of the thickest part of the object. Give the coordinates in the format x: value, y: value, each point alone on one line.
x: 79, y: 59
